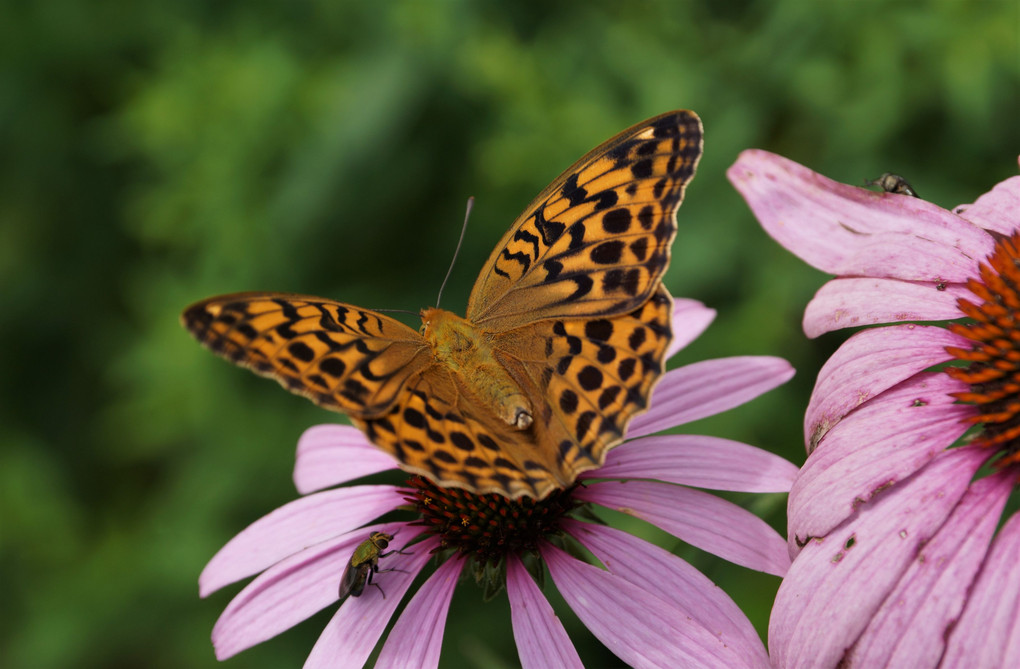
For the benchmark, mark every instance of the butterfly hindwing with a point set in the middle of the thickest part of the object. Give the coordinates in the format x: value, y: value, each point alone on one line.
x: 594, y: 375
x: 337, y: 355
x: 437, y: 430
x: 596, y: 242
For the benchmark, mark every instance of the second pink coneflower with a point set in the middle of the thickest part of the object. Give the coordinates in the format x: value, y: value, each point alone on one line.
x: 904, y: 556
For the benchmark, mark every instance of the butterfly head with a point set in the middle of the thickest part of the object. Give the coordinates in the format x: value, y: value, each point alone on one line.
x: 428, y: 314
x: 447, y: 332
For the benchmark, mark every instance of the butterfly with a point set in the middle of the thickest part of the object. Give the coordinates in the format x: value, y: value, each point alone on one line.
x: 565, y: 335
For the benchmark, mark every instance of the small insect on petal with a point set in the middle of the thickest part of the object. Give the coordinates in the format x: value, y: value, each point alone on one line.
x: 892, y: 183
x: 363, y: 563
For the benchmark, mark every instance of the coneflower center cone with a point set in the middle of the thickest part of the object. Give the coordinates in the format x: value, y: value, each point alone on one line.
x: 993, y: 360
x: 488, y: 527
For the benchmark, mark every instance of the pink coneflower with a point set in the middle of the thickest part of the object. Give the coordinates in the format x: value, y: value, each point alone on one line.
x: 895, y: 518
x: 646, y: 605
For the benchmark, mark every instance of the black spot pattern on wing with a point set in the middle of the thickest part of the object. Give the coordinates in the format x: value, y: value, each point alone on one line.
x: 600, y: 375
x: 340, y: 357
x: 434, y: 430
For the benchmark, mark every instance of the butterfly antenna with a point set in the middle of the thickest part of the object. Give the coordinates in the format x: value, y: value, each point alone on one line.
x: 470, y: 204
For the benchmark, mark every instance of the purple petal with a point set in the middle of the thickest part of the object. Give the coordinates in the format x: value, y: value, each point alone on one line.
x: 998, y: 209
x: 843, y: 303
x: 706, y: 388
x: 703, y: 520
x: 352, y: 633
x: 654, y: 569
x: 538, y: 632
x: 293, y: 527
x: 838, y: 582
x: 885, y: 441
x: 289, y: 592
x: 869, y: 363
x: 988, y: 632
x: 416, y: 639
x: 690, y: 319
x: 910, y: 628
x: 851, y: 231
x: 328, y: 455
x: 699, y: 461
x: 640, y: 627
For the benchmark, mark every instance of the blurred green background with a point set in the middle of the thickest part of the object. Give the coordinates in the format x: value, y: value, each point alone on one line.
x: 152, y: 154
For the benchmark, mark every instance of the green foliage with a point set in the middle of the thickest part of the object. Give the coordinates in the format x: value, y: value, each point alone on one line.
x: 157, y: 153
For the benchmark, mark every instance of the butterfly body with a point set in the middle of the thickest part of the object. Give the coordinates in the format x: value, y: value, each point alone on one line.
x: 466, y: 352
x: 564, y: 338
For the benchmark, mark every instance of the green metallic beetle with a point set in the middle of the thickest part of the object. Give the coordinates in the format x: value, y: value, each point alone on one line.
x: 365, y: 562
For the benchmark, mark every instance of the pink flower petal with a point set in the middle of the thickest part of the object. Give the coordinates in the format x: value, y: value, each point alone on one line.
x: 706, y: 388
x: 910, y: 628
x: 843, y: 303
x: 884, y: 441
x: 290, y: 591
x: 988, y: 632
x: 690, y: 319
x: 851, y: 231
x: 328, y: 455
x: 699, y: 461
x: 654, y: 569
x: 838, y: 582
x: 539, y: 634
x: 703, y: 520
x: 293, y: 527
x: 637, y: 625
x: 353, y: 632
x: 998, y: 209
x: 868, y: 363
x: 416, y: 639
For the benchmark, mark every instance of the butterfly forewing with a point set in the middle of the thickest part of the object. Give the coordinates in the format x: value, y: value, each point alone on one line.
x: 339, y: 356
x: 596, y: 242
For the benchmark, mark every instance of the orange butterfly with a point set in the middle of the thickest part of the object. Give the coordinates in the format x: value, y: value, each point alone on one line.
x: 566, y: 331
